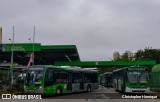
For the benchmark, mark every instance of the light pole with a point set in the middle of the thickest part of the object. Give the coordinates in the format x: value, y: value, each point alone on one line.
x: 12, y: 52
x: 31, y: 56
x: 34, y: 31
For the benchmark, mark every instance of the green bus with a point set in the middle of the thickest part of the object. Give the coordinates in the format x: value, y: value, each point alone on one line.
x: 132, y: 79
x: 51, y: 80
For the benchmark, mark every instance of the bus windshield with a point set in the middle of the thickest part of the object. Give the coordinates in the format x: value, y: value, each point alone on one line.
x: 34, y: 76
x: 137, y: 77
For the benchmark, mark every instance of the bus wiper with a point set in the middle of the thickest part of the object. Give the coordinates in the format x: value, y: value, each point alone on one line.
x: 37, y: 79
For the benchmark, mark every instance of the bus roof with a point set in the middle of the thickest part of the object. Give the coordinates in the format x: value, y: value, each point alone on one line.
x: 69, y: 68
x: 128, y: 67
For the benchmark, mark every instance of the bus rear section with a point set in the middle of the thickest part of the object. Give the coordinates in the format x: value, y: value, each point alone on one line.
x: 106, y: 79
x: 132, y: 80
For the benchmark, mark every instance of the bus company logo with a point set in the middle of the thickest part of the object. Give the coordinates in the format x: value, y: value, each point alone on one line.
x: 6, y: 96
x: 9, y: 96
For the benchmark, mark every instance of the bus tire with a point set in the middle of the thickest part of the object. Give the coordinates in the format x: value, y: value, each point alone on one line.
x: 123, y: 89
x: 89, y: 88
x: 59, y: 91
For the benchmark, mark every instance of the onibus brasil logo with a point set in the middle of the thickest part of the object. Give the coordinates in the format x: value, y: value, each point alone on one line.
x: 10, y: 96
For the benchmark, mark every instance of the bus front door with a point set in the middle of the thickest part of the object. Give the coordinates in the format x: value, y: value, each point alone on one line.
x: 69, y: 84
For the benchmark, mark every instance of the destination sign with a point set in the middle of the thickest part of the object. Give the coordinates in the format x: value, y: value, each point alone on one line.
x: 136, y: 68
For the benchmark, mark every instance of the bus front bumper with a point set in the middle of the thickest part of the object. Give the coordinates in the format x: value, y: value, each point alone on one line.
x: 137, y: 90
x: 38, y: 91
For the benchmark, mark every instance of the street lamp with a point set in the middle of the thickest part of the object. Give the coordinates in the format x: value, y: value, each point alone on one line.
x: 29, y: 39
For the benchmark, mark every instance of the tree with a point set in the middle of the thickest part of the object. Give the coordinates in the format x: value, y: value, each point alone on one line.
x: 148, y: 54
x: 125, y: 57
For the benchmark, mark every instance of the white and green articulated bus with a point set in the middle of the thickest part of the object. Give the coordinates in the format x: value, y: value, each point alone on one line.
x: 51, y: 80
x: 132, y: 79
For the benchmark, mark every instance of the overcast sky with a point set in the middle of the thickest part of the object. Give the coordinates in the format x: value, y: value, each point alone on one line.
x: 97, y: 27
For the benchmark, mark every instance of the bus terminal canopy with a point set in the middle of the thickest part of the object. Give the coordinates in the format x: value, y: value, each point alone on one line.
x: 43, y: 54
x: 59, y: 55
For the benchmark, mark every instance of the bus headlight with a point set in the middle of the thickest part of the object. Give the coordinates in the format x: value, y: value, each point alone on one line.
x: 40, y: 90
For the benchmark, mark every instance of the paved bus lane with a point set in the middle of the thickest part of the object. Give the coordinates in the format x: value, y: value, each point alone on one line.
x: 101, y: 95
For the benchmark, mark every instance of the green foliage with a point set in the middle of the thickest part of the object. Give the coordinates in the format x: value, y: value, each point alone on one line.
x: 125, y: 57
x: 148, y: 54
x: 3, y: 74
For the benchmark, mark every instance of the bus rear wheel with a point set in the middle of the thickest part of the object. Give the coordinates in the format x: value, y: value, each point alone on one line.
x: 58, y: 91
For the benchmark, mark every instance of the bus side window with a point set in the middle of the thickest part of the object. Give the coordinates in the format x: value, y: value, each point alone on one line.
x: 64, y: 77
x: 126, y: 77
x: 60, y: 77
x: 87, y: 77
